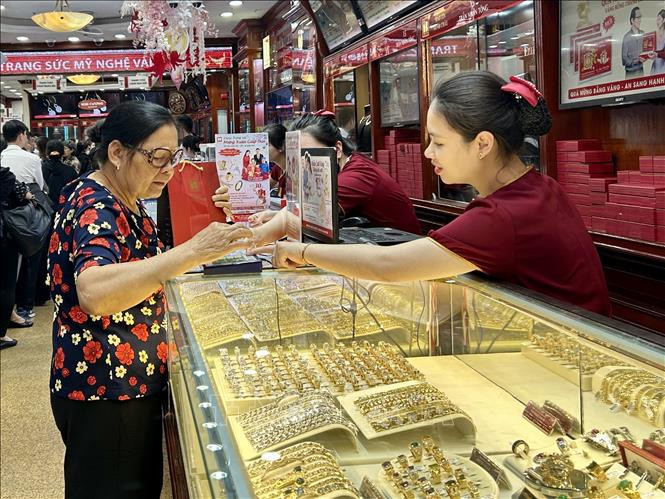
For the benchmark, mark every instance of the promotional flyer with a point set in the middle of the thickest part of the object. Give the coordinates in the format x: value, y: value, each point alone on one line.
x: 243, y: 166
x: 319, y: 194
x: 294, y: 220
x: 612, y: 51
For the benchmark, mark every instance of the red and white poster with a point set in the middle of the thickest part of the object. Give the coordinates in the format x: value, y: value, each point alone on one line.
x: 243, y: 166
x: 612, y: 51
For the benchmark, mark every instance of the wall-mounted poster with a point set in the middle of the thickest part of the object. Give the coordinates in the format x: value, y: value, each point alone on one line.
x: 611, y: 51
x: 243, y: 166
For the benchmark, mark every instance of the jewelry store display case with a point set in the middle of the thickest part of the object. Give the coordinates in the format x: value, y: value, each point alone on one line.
x: 305, y: 383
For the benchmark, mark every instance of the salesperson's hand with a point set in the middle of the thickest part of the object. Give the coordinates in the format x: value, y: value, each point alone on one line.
x: 261, y: 217
x: 217, y: 240
x: 221, y: 199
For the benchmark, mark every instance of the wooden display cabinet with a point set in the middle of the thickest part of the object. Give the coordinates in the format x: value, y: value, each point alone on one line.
x: 291, y: 83
x: 248, y: 110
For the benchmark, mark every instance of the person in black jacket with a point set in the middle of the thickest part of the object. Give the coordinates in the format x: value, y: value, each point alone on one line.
x: 56, y: 173
x: 12, y: 194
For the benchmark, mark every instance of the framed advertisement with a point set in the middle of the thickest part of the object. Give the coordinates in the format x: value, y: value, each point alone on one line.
x: 293, y: 182
x: 242, y: 165
x: 610, y: 52
x: 320, y: 218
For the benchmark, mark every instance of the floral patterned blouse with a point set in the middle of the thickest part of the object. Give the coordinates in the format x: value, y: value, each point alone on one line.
x: 117, y: 357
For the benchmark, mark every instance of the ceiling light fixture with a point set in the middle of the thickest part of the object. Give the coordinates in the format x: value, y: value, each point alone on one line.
x: 119, y: 36
x: 226, y: 14
x: 2, y: 7
x: 235, y: 3
x: 61, y: 19
x: 83, y: 79
x: 74, y: 39
x: 23, y: 38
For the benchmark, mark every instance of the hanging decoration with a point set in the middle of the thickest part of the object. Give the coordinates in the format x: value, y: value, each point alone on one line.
x: 174, y: 35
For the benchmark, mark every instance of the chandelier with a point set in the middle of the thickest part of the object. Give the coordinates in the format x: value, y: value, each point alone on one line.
x: 83, y: 79
x: 61, y: 19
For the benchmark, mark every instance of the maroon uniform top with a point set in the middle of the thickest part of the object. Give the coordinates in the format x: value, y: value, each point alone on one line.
x: 529, y: 233
x: 365, y: 190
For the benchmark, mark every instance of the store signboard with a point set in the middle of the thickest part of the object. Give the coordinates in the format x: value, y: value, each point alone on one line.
x: 243, y: 166
x: 347, y: 61
x: 394, y: 41
x: 610, y: 52
x: 97, y: 61
x: 460, y: 13
x: 46, y: 85
x: 135, y: 82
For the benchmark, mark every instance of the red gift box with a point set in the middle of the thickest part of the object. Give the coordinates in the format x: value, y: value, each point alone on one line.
x: 601, y: 224
x: 635, y: 177
x: 660, y: 200
x: 578, y: 145
x: 645, y: 161
x: 584, y: 210
x: 660, y: 217
x: 635, y: 190
x: 590, y: 156
x: 600, y: 210
x: 636, y: 230
x: 598, y: 197
x: 628, y: 213
x: 190, y: 196
x: 623, y: 176
x: 660, y: 234
x: 573, y: 178
x: 585, y: 168
x: 576, y: 188
x: 580, y: 199
x: 633, y: 200
x: 600, y: 184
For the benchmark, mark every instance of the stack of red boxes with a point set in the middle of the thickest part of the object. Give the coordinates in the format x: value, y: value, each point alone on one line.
x: 636, y: 203
x: 410, y: 169
x: 402, y: 160
x: 584, y: 171
x: 383, y: 160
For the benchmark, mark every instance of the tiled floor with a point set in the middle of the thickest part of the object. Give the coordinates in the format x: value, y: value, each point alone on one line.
x: 31, y: 451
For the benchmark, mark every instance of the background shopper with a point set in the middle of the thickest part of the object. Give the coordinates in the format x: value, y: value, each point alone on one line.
x: 12, y: 194
x: 522, y: 228
x: 69, y: 156
x: 107, y: 269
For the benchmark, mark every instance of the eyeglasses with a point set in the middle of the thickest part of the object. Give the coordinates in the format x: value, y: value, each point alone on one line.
x: 160, y: 157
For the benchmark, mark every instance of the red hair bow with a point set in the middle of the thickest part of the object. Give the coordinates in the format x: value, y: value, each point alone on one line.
x: 325, y: 113
x: 524, y: 89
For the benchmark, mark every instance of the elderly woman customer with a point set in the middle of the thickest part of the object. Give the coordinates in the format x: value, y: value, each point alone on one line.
x: 107, y: 268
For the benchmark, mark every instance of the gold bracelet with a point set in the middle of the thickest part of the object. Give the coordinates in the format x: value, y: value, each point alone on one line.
x: 302, y: 253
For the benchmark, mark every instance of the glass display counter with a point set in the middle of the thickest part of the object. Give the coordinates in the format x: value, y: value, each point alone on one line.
x: 304, y: 383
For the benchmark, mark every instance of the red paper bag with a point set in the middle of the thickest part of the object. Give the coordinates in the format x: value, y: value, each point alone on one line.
x: 190, y: 196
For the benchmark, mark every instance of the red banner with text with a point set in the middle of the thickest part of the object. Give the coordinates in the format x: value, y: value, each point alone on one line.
x: 96, y: 61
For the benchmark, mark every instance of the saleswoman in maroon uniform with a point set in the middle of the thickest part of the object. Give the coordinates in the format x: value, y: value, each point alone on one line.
x: 521, y: 228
